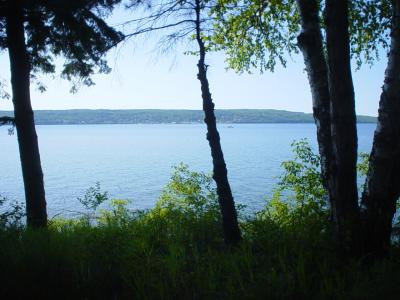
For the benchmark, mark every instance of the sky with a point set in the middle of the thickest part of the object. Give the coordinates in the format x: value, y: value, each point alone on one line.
x: 141, y: 77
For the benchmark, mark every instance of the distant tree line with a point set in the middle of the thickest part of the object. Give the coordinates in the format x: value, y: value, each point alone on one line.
x: 159, y: 116
x: 253, y: 34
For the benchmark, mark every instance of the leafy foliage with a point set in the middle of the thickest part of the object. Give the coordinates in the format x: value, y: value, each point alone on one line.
x: 74, y: 30
x: 118, y: 215
x: 362, y: 166
x: 300, y: 198
x: 93, y: 197
x: 257, y: 34
x: 190, y: 193
x: 370, y: 23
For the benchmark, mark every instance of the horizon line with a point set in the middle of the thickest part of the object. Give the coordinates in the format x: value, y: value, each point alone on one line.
x: 183, y: 109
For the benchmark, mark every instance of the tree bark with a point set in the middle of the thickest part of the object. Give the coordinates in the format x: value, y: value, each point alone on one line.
x: 24, y: 119
x: 311, y: 46
x: 343, y: 123
x: 382, y: 186
x: 220, y: 174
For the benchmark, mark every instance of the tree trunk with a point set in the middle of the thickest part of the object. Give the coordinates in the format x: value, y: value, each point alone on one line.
x: 311, y: 45
x: 220, y: 173
x: 343, y: 123
x: 382, y: 187
x: 24, y: 120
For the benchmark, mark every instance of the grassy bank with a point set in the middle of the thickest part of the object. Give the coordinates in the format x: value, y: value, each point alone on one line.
x: 165, y: 255
x: 176, y: 250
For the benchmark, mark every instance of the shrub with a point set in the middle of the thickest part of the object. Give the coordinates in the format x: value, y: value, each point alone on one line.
x: 300, y: 198
x: 192, y: 194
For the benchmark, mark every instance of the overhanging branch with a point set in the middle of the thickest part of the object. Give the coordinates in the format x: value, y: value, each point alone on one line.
x: 7, y: 121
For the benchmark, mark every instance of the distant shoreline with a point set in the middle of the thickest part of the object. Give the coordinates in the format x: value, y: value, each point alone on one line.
x: 171, y: 116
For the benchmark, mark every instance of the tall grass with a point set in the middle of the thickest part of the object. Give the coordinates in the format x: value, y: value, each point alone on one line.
x: 176, y: 251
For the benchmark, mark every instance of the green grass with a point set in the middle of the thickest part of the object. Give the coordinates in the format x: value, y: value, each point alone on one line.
x: 168, y: 255
x: 176, y: 250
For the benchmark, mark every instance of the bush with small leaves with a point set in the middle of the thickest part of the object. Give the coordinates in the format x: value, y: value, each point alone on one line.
x: 92, y: 199
x: 300, y: 198
x: 190, y: 193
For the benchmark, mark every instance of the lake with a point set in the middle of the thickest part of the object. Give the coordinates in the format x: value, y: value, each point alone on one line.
x: 134, y: 161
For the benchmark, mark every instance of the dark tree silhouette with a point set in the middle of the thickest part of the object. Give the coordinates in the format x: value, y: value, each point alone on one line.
x: 382, y: 187
x: 24, y: 122
x: 365, y: 231
x: 220, y: 173
x: 34, y: 32
x: 183, y: 18
x: 343, y: 122
x: 257, y: 35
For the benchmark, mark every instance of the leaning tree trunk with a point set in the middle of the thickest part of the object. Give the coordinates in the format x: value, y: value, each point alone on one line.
x: 382, y: 187
x: 311, y: 45
x: 343, y: 123
x: 220, y: 173
x: 24, y: 120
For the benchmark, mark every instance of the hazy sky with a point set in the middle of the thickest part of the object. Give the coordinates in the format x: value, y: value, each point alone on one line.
x: 142, y: 78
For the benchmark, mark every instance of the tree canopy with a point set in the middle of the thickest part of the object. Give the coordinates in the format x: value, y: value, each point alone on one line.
x: 74, y: 30
x: 257, y: 34
x: 35, y: 33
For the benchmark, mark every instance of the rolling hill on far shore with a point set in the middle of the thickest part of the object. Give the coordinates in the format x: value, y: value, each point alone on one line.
x: 170, y: 116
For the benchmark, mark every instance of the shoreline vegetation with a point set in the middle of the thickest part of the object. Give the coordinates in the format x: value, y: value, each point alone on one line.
x: 170, y: 116
x: 176, y: 249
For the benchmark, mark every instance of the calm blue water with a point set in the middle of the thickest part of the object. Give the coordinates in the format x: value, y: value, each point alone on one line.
x: 134, y: 161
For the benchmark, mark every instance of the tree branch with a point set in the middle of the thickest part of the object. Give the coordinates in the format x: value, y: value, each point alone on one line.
x: 149, y: 29
x: 7, y: 121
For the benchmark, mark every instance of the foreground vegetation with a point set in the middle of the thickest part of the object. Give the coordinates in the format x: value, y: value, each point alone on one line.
x: 176, y: 250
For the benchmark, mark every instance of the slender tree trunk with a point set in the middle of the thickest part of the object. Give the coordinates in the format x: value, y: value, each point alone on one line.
x: 382, y: 187
x: 343, y: 123
x: 24, y: 120
x: 311, y: 45
x: 220, y: 173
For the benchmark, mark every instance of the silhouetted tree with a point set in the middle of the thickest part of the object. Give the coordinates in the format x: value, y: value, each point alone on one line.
x: 184, y: 18
x: 258, y: 34
x: 220, y: 173
x: 33, y: 32
x: 311, y: 45
x: 343, y: 123
x: 382, y: 187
